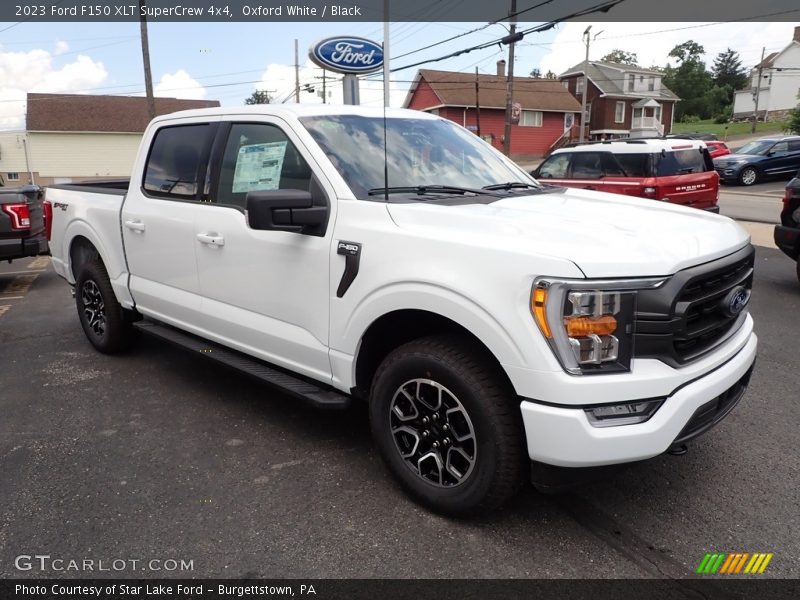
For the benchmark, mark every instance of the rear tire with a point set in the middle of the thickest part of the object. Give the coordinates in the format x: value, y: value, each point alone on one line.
x: 748, y: 176
x: 448, y: 425
x: 106, y: 324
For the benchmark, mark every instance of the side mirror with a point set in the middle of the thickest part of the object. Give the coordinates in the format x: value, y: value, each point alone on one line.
x: 535, y: 172
x: 284, y: 210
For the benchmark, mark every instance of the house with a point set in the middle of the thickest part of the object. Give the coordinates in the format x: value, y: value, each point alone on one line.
x: 622, y: 100
x: 546, y: 112
x: 778, y: 88
x: 77, y: 136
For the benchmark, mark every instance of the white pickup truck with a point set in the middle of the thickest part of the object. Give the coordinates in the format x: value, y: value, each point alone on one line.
x: 491, y: 323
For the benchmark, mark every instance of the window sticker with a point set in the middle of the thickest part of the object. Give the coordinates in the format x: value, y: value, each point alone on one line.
x: 258, y: 167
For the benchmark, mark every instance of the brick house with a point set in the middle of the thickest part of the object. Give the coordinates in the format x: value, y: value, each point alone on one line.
x: 621, y: 100
x: 547, y: 115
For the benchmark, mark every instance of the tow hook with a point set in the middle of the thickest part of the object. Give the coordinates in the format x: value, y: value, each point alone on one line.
x: 678, y: 450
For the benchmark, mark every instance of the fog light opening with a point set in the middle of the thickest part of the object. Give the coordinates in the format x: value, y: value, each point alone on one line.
x: 628, y: 413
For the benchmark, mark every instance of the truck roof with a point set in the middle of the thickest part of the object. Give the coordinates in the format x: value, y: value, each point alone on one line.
x: 299, y: 110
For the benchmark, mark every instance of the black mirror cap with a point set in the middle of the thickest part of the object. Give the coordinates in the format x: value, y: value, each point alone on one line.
x: 285, y: 210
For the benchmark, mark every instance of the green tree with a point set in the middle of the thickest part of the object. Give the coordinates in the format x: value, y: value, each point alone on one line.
x: 622, y: 57
x: 259, y: 97
x: 794, y: 120
x: 690, y: 80
x: 728, y: 70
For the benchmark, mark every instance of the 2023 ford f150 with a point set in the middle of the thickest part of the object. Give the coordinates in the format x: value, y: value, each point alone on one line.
x: 490, y: 322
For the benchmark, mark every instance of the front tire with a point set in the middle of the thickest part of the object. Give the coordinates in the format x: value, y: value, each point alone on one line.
x: 106, y: 324
x: 448, y: 425
x: 748, y: 176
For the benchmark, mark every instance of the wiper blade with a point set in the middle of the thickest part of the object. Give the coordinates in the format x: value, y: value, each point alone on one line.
x: 426, y: 189
x: 509, y: 185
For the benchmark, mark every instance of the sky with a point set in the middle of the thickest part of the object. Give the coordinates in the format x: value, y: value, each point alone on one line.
x: 228, y: 61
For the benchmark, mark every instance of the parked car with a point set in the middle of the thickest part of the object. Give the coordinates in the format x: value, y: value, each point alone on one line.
x: 675, y: 171
x: 787, y: 234
x: 717, y: 148
x: 760, y: 159
x: 486, y: 321
x: 22, y: 223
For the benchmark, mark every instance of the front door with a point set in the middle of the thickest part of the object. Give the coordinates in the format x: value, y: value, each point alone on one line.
x: 265, y: 293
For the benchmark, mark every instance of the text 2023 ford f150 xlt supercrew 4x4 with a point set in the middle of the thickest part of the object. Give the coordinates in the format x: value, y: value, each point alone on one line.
x: 490, y: 322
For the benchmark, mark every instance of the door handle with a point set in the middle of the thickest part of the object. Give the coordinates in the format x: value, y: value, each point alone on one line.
x: 135, y: 225
x: 211, y: 239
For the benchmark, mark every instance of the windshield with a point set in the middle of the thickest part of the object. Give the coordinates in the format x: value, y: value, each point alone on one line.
x: 760, y: 147
x: 421, y: 152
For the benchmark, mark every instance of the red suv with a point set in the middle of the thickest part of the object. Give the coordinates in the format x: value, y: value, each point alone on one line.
x: 677, y: 171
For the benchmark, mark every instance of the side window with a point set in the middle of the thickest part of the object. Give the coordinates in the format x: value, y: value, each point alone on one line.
x: 611, y: 167
x: 555, y: 167
x: 634, y: 165
x: 794, y: 145
x: 176, y: 160
x: 586, y: 165
x: 780, y: 147
x: 259, y: 157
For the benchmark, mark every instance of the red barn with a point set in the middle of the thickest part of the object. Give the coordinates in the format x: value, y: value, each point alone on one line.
x: 546, y: 119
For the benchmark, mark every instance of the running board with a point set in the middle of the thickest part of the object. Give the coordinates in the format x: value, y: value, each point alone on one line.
x: 315, y: 395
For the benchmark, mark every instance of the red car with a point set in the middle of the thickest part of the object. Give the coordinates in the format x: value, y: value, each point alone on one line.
x: 677, y: 171
x: 716, y: 148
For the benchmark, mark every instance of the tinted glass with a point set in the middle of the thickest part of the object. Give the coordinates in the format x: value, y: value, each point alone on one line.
x: 634, y: 165
x: 760, y: 147
x: 794, y: 145
x: 780, y: 147
x: 681, y: 162
x: 611, y: 167
x: 586, y: 165
x: 259, y: 157
x: 175, y: 159
x: 554, y: 167
x: 418, y: 152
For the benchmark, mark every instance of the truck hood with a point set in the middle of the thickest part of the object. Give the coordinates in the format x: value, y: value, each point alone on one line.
x: 605, y: 235
x: 729, y: 158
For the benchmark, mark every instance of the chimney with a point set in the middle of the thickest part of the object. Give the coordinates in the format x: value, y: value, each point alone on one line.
x: 797, y: 34
x: 501, y: 66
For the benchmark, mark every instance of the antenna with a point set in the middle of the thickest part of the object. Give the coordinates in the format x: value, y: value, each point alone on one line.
x: 386, y: 96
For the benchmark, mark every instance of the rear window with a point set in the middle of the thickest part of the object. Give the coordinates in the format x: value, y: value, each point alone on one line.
x: 682, y: 162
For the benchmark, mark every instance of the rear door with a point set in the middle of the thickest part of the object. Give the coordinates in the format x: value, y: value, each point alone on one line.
x: 158, y: 224
x: 685, y: 175
x: 784, y: 159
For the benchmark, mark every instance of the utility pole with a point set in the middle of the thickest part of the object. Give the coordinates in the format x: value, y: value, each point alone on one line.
x: 584, y: 120
x: 477, y: 104
x: 296, y: 73
x: 758, y: 91
x: 148, y: 77
x: 512, y: 38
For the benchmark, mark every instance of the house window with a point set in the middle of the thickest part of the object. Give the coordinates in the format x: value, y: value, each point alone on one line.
x: 651, y: 83
x: 619, y: 112
x: 434, y: 111
x: 631, y: 82
x: 579, y: 85
x: 565, y: 83
x: 13, y: 176
x: 531, y: 118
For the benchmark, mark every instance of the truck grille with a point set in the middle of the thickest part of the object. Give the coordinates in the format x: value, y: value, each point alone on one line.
x: 688, y: 316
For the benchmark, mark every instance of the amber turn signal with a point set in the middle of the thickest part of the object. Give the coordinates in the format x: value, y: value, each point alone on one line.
x: 585, y: 326
x: 538, y: 302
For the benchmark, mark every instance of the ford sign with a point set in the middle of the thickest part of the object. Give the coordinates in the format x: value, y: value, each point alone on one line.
x: 347, y: 54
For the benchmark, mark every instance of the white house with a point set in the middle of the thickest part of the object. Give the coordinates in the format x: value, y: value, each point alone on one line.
x: 779, y: 86
x: 71, y: 137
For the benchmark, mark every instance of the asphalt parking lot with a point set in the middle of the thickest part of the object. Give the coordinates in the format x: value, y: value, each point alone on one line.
x: 162, y: 455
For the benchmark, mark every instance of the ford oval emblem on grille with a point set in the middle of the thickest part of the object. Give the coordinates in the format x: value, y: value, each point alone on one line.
x: 735, y: 301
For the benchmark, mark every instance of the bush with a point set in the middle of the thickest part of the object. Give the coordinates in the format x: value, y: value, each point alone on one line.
x: 724, y: 116
x: 793, y: 123
x: 690, y: 119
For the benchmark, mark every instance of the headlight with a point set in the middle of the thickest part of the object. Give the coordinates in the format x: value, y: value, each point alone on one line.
x: 589, y: 325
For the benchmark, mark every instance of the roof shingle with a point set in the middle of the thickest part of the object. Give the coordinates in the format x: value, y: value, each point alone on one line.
x: 81, y: 112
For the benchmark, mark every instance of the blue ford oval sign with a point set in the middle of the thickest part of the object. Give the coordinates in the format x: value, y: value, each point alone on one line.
x: 347, y: 54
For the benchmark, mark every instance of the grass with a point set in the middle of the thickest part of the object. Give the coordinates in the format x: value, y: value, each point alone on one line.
x: 733, y: 129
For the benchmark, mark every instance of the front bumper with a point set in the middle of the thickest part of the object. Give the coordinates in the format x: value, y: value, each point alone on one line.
x: 788, y: 240
x: 562, y: 436
x: 729, y: 173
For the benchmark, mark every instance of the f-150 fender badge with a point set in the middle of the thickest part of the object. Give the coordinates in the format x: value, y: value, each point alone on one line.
x: 352, y: 253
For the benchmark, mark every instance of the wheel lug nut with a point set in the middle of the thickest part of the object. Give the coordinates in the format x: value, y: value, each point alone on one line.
x: 435, y: 444
x: 446, y: 441
x: 425, y: 434
x: 446, y: 427
x: 425, y: 420
x: 435, y: 417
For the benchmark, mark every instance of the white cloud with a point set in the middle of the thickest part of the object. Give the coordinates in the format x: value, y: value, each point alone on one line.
x: 652, y: 48
x: 61, y: 47
x: 33, y: 71
x: 179, y: 85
